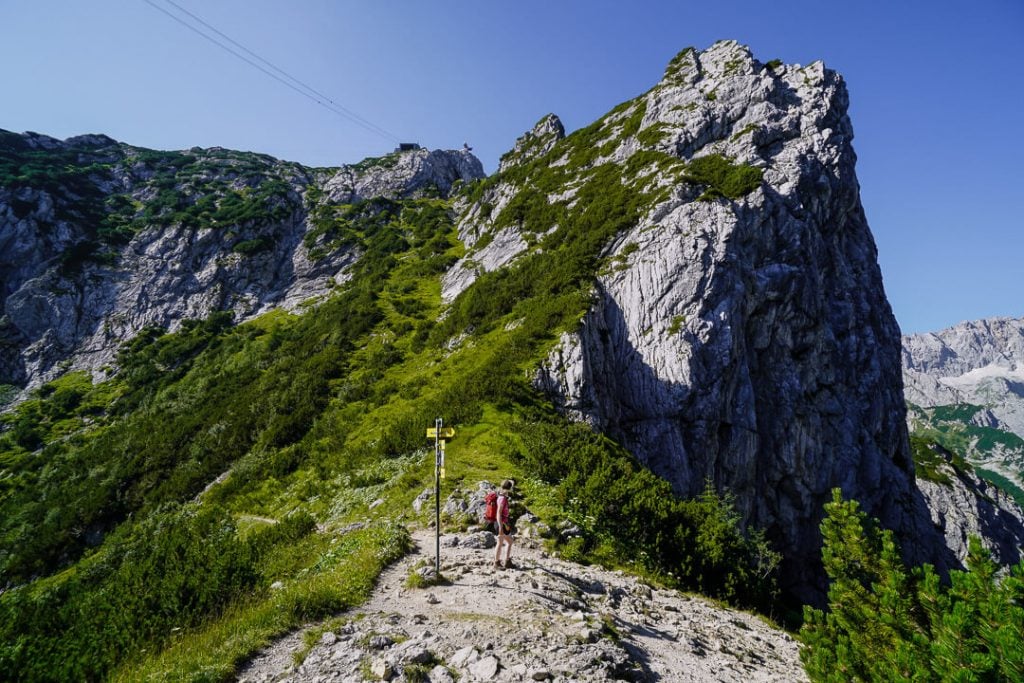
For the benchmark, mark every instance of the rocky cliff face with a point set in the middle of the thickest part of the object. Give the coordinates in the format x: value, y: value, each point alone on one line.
x: 740, y: 333
x: 980, y: 363
x: 961, y: 505
x: 99, y: 239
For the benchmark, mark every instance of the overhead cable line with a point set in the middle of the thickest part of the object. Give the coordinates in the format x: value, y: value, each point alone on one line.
x: 346, y: 111
x: 284, y: 78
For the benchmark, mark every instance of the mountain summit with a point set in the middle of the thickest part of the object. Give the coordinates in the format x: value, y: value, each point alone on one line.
x: 738, y: 331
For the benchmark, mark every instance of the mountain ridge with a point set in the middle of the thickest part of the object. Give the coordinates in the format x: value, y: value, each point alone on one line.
x: 732, y: 196
x: 546, y: 619
x: 164, y: 264
x: 965, y: 389
x: 748, y: 267
x: 690, y: 278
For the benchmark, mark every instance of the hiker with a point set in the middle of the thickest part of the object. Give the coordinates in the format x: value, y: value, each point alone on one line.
x: 502, y: 526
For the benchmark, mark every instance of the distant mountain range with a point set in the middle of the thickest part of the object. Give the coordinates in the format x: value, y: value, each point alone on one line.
x: 965, y: 389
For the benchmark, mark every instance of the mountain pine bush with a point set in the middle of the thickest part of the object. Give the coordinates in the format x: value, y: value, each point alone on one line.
x: 887, y: 623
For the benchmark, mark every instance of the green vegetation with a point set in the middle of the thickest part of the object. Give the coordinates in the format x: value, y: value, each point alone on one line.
x: 553, y: 283
x: 722, y: 177
x: 252, y: 247
x: 1002, y: 483
x: 631, y: 124
x: 528, y: 145
x: 72, y: 177
x: 117, y: 459
x: 950, y: 431
x: 732, y: 66
x: 340, y: 572
x: 773, y: 64
x: 8, y: 392
x: 206, y: 437
x: 625, y: 511
x: 126, y: 596
x: 749, y: 128
x: 199, y: 189
x: 652, y: 135
x: 417, y: 579
x: 957, y: 412
x: 888, y: 623
x: 931, y: 459
x: 685, y: 58
x: 386, y: 161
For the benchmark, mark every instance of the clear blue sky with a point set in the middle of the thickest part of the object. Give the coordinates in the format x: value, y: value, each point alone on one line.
x: 936, y: 88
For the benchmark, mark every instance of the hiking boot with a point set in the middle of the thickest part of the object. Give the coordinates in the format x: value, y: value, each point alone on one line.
x: 510, y: 565
x: 497, y: 565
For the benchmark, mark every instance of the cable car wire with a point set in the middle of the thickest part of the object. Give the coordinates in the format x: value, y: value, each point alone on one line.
x: 284, y: 73
x: 291, y: 82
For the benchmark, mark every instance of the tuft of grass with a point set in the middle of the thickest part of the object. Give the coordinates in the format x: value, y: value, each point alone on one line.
x: 253, y: 246
x: 608, y: 629
x: 417, y: 673
x: 417, y: 580
x: 931, y: 459
x: 749, y: 128
x: 652, y: 135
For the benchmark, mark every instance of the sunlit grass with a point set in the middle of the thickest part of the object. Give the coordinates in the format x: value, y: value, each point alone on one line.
x: 212, y: 652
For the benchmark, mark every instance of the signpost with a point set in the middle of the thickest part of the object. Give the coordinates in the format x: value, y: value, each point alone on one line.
x: 439, y: 433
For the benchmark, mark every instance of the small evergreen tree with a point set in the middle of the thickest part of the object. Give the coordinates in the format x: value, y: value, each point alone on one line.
x: 887, y: 624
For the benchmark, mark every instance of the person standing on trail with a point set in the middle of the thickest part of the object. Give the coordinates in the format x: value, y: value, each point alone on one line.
x: 503, y: 526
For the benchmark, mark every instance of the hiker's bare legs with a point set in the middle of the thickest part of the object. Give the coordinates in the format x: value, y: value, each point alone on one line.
x: 502, y: 538
x: 506, y: 540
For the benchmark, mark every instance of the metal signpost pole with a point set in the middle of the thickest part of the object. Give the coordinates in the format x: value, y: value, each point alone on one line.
x: 440, y: 434
x: 437, y: 496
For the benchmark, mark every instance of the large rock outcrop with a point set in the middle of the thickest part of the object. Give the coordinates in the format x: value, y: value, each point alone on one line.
x: 740, y: 336
x: 99, y: 239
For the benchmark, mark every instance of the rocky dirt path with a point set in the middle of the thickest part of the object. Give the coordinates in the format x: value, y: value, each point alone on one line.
x: 546, y: 619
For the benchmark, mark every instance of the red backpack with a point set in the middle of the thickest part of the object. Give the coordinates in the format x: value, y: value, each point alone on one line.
x: 491, y: 507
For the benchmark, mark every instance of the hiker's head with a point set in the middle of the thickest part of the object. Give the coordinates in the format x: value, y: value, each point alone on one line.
x: 507, y: 485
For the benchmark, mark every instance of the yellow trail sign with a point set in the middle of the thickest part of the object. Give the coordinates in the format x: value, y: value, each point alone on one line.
x: 444, y: 433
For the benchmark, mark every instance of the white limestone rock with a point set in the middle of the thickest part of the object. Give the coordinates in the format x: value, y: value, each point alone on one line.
x: 53, y: 317
x: 534, y: 143
x: 749, y: 342
x: 968, y: 506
